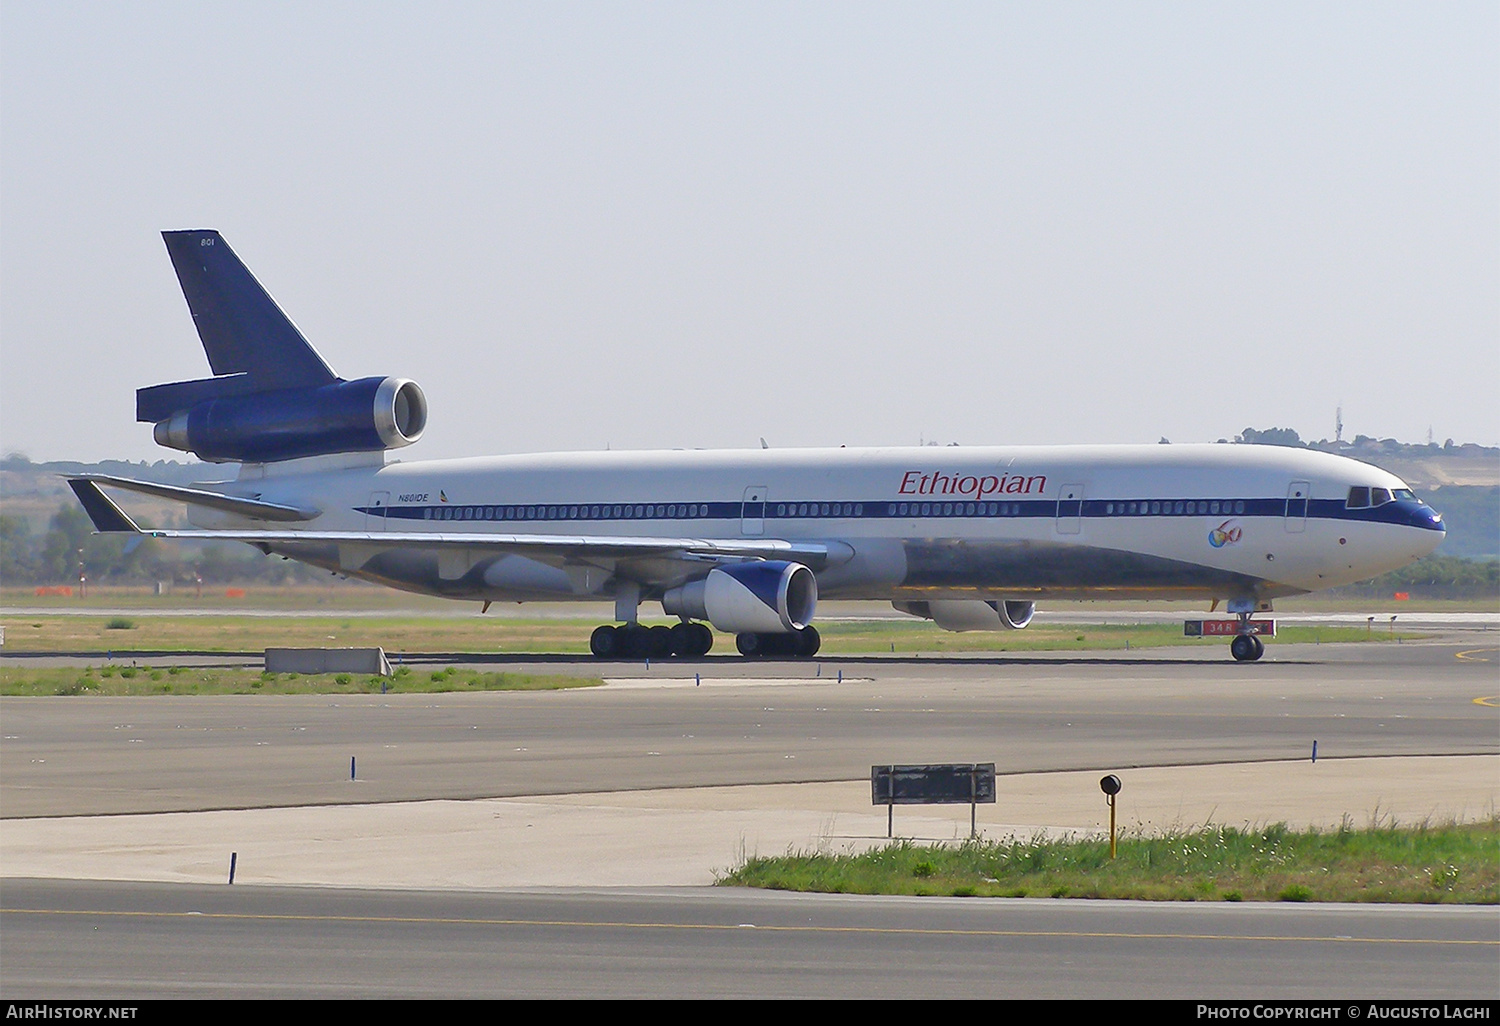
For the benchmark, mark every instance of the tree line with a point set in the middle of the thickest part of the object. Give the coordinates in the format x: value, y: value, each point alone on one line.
x: 70, y: 548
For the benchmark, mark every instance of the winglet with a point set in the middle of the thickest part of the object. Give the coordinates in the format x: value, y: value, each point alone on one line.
x: 107, y: 517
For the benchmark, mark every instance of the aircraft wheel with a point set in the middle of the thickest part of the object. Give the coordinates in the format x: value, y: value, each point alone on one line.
x: 683, y: 639
x: 751, y: 646
x: 604, y: 642
x: 1246, y: 648
x: 632, y: 641
x: 703, y: 639
x: 808, y: 642
x: 659, y: 641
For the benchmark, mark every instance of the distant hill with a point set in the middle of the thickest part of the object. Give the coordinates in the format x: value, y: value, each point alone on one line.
x: 1462, y: 482
x: 35, y: 491
x: 1421, y: 466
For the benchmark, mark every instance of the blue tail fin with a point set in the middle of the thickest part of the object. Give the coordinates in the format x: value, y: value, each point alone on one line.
x: 242, y: 328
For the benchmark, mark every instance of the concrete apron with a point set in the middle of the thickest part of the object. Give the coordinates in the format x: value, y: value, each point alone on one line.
x: 687, y: 836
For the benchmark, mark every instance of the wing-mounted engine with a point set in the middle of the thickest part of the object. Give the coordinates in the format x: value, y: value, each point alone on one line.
x: 272, y: 397
x: 367, y: 415
x: 762, y: 597
x: 971, y: 614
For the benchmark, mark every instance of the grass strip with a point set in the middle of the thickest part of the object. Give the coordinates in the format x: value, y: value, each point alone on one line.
x: 1444, y: 864
x: 183, y: 680
x: 229, y: 633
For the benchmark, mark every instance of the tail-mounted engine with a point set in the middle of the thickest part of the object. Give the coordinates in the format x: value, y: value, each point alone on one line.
x: 367, y: 415
x: 272, y: 397
x: 769, y: 597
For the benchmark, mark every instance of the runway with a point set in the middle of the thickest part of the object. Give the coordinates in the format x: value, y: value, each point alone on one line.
x: 754, y: 723
x: 677, y: 770
x: 131, y: 941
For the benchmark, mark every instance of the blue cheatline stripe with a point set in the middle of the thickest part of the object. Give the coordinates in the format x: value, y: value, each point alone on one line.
x: 1318, y: 509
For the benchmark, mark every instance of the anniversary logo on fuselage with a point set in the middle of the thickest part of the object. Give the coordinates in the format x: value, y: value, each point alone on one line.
x: 1226, y: 533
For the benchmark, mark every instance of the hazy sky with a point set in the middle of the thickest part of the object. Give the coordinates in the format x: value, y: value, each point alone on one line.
x: 693, y: 225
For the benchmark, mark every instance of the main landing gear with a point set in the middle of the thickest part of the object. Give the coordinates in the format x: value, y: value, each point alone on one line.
x: 632, y: 641
x: 692, y: 640
x: 686, y: 640
x: 800, y: 644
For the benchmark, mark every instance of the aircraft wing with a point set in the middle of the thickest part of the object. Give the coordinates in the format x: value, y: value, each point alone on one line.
x: 108, y: 517
x: 545, y: 546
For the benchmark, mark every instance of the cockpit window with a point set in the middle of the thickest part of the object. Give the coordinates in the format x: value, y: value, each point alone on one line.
x: 1379, y: 496
x: 1403, y: 494
x: 1359, y: 497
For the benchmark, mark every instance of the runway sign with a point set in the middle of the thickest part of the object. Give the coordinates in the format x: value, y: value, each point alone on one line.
x: 1226, y: 628
x: 963, y: 783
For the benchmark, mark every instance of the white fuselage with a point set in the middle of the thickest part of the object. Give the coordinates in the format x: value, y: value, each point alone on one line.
x: 1161, y: 521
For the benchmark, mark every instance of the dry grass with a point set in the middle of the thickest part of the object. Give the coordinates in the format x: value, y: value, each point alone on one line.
x: 1449, y: 864
x: 181, y: 680
x: 148, y: 633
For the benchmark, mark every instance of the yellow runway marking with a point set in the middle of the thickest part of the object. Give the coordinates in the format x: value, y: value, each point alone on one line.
x: 1493, y: 701
x: 1472, y: 655
x: 873, y: 930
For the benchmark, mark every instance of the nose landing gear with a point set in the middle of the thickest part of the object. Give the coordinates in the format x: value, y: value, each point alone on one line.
x: 1246, y: 648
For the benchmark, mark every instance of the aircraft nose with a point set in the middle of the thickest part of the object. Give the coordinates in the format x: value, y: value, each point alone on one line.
x: 1431, y: 521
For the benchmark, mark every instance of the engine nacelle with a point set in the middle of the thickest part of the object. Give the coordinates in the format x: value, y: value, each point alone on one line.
x: 971, y: 614
x: 769, y: 597
x: 367, y: 415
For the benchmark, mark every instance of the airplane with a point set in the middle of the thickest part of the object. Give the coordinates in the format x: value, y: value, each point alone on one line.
x: 744, y: 540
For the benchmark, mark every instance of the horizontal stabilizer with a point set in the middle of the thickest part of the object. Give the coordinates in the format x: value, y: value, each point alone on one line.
x: 158, y: 402
x: 245, y: 507
x: 107, y: 517
x: 242, y: 328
